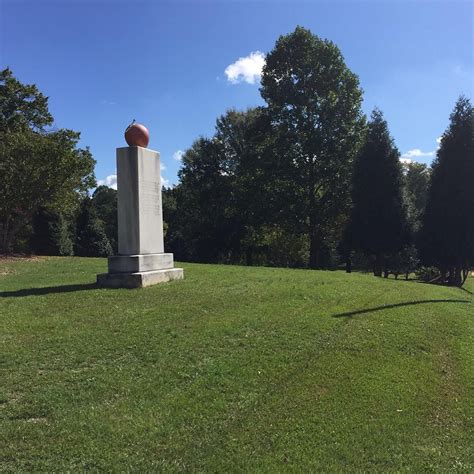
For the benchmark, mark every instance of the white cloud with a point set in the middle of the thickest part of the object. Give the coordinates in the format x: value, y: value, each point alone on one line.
x: 417, y: 153
x: 110, y: 181
x: 178, y: 155
x: 165, y: 182
x: 247, y: 69
x: 411, y: 155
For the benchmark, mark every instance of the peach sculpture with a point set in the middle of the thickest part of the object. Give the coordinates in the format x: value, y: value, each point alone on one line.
x: 137, y: 134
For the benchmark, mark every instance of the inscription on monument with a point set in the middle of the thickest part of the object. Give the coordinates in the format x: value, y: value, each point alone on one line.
x: 150, y: 194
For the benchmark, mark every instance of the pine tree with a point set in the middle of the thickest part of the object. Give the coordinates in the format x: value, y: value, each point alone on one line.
x: 416, y: 181
x: 378, y: 222
x: 104, y: 201
x: 91, y: 240
x: 447, y: 238
x: 51, y: 234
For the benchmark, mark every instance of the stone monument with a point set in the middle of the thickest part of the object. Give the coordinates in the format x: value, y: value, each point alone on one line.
x: 141, y: 259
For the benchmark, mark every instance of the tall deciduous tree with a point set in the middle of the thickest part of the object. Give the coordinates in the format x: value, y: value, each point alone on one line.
x: 448, y: 226
x: 37, y: 168
x: 314, y: 103
x: 378, y: 223
x: 217, y: 197
x: 204, y: 197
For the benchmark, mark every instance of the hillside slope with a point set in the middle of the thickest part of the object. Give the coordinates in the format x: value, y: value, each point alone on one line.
x: 233, y: 369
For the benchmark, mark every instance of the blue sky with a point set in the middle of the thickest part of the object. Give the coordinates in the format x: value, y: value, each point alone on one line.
x: 106, y: 62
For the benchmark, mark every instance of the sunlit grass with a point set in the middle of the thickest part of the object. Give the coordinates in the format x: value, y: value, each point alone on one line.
x: 233, y: 369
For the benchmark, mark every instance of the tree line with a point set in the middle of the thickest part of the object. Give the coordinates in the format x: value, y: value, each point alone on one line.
x: 45, y: 181
x: 304, y: 181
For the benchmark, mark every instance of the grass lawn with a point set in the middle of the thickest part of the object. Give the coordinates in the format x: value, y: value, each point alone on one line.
x: 233, y: 369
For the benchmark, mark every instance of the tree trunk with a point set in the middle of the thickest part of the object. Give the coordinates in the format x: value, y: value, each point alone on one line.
x: 378, y: 264
x: 4, y: 236
x: 465, y: 274
x: 457, y: 276
x: 443, y: 272
x: 314, y: 250
x: 451, y: 276
x: 248, y: 256
x: 314, y: 230
x: 10, y: 230
x: 348, y: 265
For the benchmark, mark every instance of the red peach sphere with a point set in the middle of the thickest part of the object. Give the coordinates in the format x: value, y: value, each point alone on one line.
x: 137, y: 134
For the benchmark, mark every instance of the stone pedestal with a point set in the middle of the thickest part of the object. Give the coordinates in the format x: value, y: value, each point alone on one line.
x: 141, y: 260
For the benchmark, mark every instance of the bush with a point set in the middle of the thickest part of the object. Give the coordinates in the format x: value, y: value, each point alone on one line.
x: 404, y: 262
x: 50, y: 234
x: 427, y: 273
x: 91, y: 240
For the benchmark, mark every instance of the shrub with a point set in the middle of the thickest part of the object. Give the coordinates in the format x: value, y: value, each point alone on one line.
x: 427, y: 273
x: 50, y: 234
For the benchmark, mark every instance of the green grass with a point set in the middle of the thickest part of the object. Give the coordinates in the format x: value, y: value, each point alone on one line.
x: 233, y: 369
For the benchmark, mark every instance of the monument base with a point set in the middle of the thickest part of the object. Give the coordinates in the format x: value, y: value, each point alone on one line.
x: 137, y: 271
x: 139, y: 279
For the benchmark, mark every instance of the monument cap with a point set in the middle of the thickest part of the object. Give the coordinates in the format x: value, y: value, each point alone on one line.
x: 137, y: 134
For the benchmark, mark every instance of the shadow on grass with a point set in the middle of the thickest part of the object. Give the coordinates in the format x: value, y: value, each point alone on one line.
x: 48, y: 290
x: 396, y: 305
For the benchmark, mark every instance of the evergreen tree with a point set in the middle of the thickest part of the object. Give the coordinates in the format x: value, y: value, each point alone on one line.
x: 104, y: 201
x: 91, y: 240
x: 416, y: 181
x: 447, y: 239
x: 378, y: 222
x: 51, y: 234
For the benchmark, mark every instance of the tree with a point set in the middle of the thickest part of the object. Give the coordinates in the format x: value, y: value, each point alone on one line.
x: 22, y: 107
x: 314, y: 104
x: 37, y: 167
x: 248, y: 149
x: 170, y: 218
x: 447, y: 239
x: 219, y: 207
x: 206, y: 217
x: 51, y: 234
x: 416, y: 179
x: 378, y: 223
x: 91, y: 240
x: 403, y: 262
x: 104, y: 201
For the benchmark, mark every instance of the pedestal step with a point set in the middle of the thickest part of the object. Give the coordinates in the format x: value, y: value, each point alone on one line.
x: 139, y: 279
x: 140, y: 263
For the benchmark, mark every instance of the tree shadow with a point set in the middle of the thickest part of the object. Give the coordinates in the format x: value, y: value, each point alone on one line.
x: 49, y: 290
x: 395, y: 305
